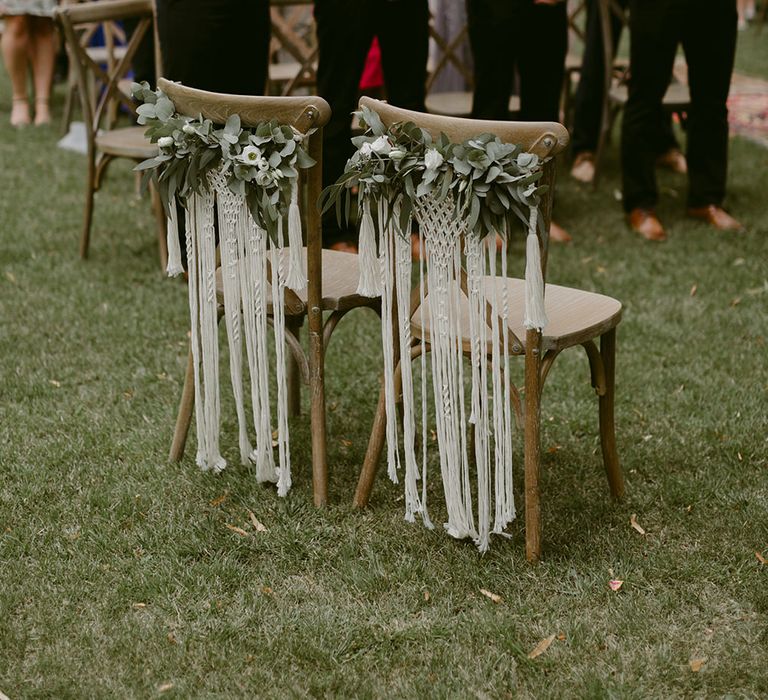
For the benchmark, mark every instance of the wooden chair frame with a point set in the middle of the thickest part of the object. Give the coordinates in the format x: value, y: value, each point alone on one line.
x: 539, y: 350
x: 99, y: 111
x: 303, y: 113
x: 285, y: 37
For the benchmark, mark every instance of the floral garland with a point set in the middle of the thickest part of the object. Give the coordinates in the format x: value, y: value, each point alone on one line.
x: 489, y: 179
x: 261, y: 163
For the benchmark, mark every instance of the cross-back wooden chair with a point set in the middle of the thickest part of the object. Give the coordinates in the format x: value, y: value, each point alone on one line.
x: 676, y: 99
x: 332, y: 276
x: 292, y: 34
x: 576, y: 318
x: 454, y: 103
x: 576, y: 36
x: 101, y: 92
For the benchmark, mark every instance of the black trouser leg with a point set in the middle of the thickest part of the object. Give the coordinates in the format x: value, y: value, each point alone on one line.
x: 654, y: 31
x: 216, y: 45
x: 709, y: 41
x: 542, y: 72
x: 403, y: 32
x: 494, y: 26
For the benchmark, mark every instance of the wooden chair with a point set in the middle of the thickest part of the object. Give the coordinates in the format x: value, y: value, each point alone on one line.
x: 575, y: 318
x: 676, y: 100
x: 292, y: 39
x: 332, y: 276
x: 101, y: 94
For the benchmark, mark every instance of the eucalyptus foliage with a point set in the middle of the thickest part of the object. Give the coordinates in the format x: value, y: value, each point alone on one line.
x: 488, y: 179
x: 262, y: 163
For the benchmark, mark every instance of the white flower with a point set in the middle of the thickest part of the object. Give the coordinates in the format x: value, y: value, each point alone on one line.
x: 264, y: 178
x: 433, y: 159
x: 381, y: 145
x: 365, y: 150
x: 188, y: 129
x: 165, y: 141
x: 251, y: 155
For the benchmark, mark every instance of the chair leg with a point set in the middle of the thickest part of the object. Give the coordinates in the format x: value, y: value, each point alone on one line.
x: 90, y: 189
x: 162, y: 226
x: 607, y: 428
x: 293, y: 326
x: 532, y: 446
x: 372, y: 455
x: 317, y: 407
x: 184, y: 417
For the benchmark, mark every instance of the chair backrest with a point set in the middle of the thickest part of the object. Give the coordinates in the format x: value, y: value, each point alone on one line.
x: 451, y: 52
x: 99, y: 85
x: 293, y: 37
x: 545, y: 139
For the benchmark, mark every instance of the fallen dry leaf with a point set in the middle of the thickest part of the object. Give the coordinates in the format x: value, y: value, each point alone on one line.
x: 164, y: 687
x: 345, y: 442
x: 761, y: 558
x: 426, y: 596
x: 11, y: 277
x: 739, y: 457
x: 615, y: 584
x: 542, y: 646
x: 554, y: 448
x: 55, y: 382
x: 139, y: 606
x: 220, y: 499
x: 696, y: 664
x: 735, y: 301
x: 171, y: 638
x: 259, y: 527
x: 266, y: 590
x: 561, y: 636
x: 492, y: 596
x: 694, y: 289
x: 633, y: 522
x: 237, y: 529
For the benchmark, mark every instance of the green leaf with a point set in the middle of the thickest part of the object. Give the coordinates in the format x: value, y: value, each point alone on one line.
x: 232, y: 127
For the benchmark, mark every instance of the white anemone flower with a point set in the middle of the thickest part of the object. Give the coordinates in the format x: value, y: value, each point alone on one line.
x: 165, y: 141
x: 251, y: 155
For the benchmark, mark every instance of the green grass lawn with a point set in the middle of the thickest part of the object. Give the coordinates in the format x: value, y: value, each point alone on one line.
x: 120, y: 578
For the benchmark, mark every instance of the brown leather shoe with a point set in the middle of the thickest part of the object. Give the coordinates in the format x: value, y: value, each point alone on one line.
x: 647, y: 224
x: 715, y: 216
x: 673, y: 160
x: 583, y: 168
x: 558, y: 234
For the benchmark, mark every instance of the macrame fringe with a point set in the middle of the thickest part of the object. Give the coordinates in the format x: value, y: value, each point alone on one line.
x: 296, y: 279
x: 174, y: 266
x: 370, y: 273
x: 535, y: 314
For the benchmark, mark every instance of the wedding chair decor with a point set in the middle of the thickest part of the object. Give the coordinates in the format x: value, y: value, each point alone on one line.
x: 100, y: 92
x: 463, y: 182
x: 239, y: 166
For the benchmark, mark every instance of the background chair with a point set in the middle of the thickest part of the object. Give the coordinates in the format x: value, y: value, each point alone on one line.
x: 293, y: 48
x: 332, y: 276
x: 575, y: 318
x: 101, y: 92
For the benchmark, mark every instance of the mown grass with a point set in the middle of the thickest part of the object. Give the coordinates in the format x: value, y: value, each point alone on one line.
x: 119, y: 577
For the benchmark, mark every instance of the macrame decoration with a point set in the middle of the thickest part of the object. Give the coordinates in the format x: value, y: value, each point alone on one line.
x: 474, y: 427
x: 254, y: 274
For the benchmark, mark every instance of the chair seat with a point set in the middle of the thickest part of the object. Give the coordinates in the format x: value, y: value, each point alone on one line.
x: 677, y: 95
x: 459, y: 104
x: 127, y: 142
x: 283, y: 72
x: 341, y: 274
x: 575, y: 316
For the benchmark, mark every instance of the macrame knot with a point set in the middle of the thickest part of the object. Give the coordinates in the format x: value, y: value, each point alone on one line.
x: 535, y: 314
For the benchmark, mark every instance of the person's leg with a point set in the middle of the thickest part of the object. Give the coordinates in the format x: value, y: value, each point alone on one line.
x: 344, y: 35
x: 216, y: 45
x: 43, y: 59
x: 403, y: 30
x: 542, y: 71
x: 654, y: 36
x: 493, y: 29
x: 15, y: 46
x: 709, y: 41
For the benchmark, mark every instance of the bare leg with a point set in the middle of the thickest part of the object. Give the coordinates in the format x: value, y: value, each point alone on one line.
x: 42, y: 57
x: 15, y: 46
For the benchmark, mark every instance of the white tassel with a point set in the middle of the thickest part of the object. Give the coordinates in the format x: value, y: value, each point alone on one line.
x: 172, y: 235
x: 535, y: 315
x: 370, y: 274
x: 297, y: 277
